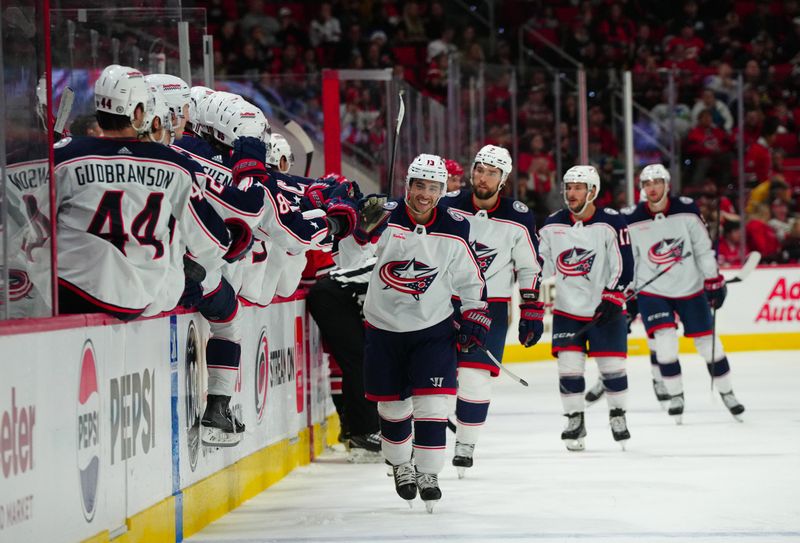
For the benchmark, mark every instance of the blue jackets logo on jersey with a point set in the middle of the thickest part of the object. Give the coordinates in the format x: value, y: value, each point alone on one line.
x: 666, y: 251
x: 408, y: 276
x: 485, y: 254
x: 575, y: 262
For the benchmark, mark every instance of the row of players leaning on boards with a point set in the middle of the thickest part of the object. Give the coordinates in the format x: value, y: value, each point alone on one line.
x: 183, y: 202
x: 475, y: 245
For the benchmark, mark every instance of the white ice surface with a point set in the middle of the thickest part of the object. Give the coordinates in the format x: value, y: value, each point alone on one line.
x: 711, y: 479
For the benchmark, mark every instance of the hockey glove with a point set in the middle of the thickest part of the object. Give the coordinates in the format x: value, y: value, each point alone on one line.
x: 342, y: 218
x: 610, y: 307
x: 716, y: 290
x: 241, y: 240
x: 531, y: 313
x: 192, y: 294
x: 319, y: 193
x: 632, y: 307
x: 192, y: 270
x: 475, y: 325
x: 248, y: 158
x: 372, y: 219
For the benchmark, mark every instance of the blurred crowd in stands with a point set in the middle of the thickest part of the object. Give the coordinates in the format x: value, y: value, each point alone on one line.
x: 281, y: 47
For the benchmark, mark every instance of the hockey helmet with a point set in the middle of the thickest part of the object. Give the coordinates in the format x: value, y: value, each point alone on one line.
x: 428, y: 168
x: 453, y: 167
x: 197, y: 95
x: 119, y: 90
x: 208, y: 110
x: 174, y: 90
x: 493, y: 155
x: 157, y: 106
x: 279, y: 147
x: 239, y: 118
x: 654, y: 171
x: 583, y: 174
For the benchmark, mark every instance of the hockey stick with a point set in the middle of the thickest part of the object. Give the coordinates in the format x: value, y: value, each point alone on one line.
x: 64, y: 109
x: 400, y: 114
x: 305, y: 142
x: 586, y: 327
x: 497, y: 363
x: 752, y: 262
x: 714, y: 309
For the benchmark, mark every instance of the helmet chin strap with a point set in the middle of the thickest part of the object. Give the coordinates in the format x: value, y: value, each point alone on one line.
x: 585, y: 204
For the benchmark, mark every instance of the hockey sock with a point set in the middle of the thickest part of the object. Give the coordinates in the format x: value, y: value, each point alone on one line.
x: 222, y: 360
x: 655, y: 369
x: 472, y: 405
x: 430, y: 432
x: 572, y: 388
x: 720, y: 372
x: 616, y: 387
x: 671, y: 374
x: 395, y: 421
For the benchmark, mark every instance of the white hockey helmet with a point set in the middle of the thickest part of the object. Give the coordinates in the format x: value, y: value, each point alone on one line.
x: 118, y: 91
x: 279, y: 148
x: 197, y: 95
x: 174, y: 90
x: 208, y: 109
x: 239, y: 118
x: 583, y: 174
x: 493, y: 155
x: 157, y: 106
x: 428, y: 168
x: 654, y: 171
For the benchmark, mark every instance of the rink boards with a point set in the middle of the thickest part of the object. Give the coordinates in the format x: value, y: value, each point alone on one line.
x: 760, y: 313
x: 99, y: 423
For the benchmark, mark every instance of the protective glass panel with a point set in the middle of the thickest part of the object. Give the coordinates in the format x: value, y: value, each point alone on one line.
x: 25, y: 211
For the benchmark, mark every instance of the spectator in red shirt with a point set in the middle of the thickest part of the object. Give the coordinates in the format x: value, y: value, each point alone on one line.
x: 709, y: 148
x: 599, y: 132
x: 760, y: 235
x: 729, y: 244
x: 758, y: 160
x: 692, y: 45
x: 542, y: 167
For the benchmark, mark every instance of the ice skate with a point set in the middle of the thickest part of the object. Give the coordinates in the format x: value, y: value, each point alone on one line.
x: 595, y: 393
x: 573, y: 434
x: 676, y: 408
x: 732, y: 404
x: 219, y: 425
x: 619, y: 426
x: 429, y: 491
x: 463, y: 458
x: 662, y: 395
x: 405, y: 482
x: 365, y: 449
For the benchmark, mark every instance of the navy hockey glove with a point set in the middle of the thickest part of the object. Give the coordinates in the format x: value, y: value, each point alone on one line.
x: 716, y: 290
x: 192, y: 294
x: 248, y: 157
x: 372, y: 219
x: 475, y: 325
x: 241, y: 240
x: 531, y: 313
x: 320, y: 192
x: 632, y: 307
x: 610, y: 308
x: 342, y: 218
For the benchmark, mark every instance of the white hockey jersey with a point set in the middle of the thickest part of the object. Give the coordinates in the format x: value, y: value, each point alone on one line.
x: 678, y: 234
x: 118, y: 202
x: 418, y: 270
x: 504, y: 241
x: 586, y: 257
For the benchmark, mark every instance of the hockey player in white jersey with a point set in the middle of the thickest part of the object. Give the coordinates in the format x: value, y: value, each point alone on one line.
x: 424, y: 259
x: 588, y: 251
x: 280, y: 153
x: 669, y: 232
x: 502, y: 235
x: 118, y: 197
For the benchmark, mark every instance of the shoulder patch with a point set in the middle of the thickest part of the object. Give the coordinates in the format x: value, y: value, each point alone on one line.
x: 519, y: 206
x: 453, y: 193
x: 456, y: 216
x: 611, y: 211
x: 390, y: 205
x: 686, y: 200
x: 628, y: 210
x: 62, y: 143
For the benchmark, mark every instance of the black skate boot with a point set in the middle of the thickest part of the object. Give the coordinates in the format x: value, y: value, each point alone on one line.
x: 676, y: 408
x: 219, y: 425
x: 662, y: 395
x: 429, y: 491
x: 463, y: 457
x: 619, y: 426
x: 595, y: 393
x: 732, y: 404
x: 405, y: 482
x: 365, y: 449
x: 573, y: 434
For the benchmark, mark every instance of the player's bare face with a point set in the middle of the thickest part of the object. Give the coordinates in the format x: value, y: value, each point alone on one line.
x: 423, y: 196
x: 575, y: 195
x: 486, y: 181
x: 654, y: 190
